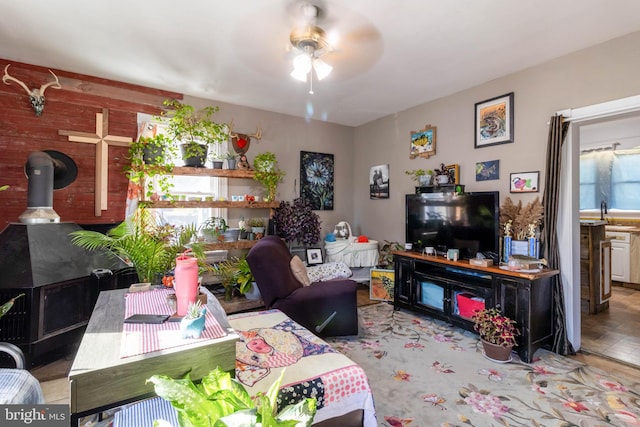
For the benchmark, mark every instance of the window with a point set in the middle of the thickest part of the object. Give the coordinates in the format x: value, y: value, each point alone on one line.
x: 610, y: 176
x: 189, y: 186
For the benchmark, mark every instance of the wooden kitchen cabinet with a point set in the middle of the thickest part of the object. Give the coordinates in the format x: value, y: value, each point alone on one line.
x: 595, y: 273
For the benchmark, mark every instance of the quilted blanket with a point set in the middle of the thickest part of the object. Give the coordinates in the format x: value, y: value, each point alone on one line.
x: 271, y: 341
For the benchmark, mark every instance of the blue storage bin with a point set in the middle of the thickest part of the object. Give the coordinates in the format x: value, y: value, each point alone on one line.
x: 432, y: 295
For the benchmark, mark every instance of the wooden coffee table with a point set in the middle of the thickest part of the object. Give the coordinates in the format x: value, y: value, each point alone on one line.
x: 100, y: 379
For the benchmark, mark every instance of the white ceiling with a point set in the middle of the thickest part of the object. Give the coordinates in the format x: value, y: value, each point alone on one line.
x: 390, y: 55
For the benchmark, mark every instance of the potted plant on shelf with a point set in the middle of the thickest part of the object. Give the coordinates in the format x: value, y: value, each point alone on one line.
x: 421, y: 176
x: 231, y: 159
x: 213, y: 228
x: 152, y: 157
x: 196, y: 130
x: 268, y: 173
x: 497, y: 332
x: 257, y: 225
x: 220, y: 400
x: 217, y: 161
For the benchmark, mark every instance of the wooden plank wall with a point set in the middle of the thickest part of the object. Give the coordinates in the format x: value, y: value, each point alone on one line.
x: 73, y: 107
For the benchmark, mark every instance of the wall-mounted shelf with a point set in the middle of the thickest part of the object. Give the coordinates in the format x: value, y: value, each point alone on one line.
x: 238, y: 244
x: 214, y: 204
x: 220, y: 173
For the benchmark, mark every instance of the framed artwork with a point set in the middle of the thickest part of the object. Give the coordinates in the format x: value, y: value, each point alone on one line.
x: 314, y: 256
x: 524, y: 182
x: 316, y: 180
x: 487, y: 171
x: 494, y: 121
x: 379, y: 182
x: 423, y: 142
x: 454, y: 173
x: 381, y: 284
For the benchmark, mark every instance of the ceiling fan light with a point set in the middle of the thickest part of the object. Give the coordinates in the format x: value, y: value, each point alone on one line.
x: 299, y: 75
x: 301, y: 67
x: 322, y: 68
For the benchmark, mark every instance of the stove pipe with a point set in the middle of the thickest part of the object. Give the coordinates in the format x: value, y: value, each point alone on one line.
x: 39, y: 170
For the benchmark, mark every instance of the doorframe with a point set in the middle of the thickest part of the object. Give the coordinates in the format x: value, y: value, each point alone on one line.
x: 568, y: 224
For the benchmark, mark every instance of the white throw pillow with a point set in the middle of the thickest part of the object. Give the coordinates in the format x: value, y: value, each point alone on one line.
x: 328, y: 271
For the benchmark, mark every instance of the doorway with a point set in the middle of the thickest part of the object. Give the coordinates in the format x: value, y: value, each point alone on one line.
x: 612, y: 333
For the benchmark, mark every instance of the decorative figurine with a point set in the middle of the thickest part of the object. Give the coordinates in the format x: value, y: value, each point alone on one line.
x: 243, y: 163
x: 507, y: 229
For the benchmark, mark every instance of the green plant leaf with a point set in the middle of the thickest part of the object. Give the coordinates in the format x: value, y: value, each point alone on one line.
x: 190, y: 403
x: 4, y: 308
x: 220, y: 400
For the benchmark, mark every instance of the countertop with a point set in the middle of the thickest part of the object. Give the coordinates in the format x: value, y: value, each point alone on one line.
x: 623, y: 228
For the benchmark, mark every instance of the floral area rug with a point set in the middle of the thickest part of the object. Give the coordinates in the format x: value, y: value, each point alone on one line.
x: 424, y: 372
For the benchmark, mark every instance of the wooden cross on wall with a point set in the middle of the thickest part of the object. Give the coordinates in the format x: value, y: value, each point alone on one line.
x: 102, y: 140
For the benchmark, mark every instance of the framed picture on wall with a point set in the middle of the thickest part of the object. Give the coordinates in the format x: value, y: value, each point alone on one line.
x: 381, y: 284
x: 487, y: 171
x: 423, y: 142
x: 524, y: 182
x: 379, y: 182
x: 494, y: 121
x: 316, y: 180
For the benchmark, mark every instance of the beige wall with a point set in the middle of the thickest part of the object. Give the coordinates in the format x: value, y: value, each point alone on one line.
x: 286, y: 136
x: 598, y: 74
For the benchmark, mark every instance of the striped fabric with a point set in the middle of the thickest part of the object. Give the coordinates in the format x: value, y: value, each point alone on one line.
x: 138, y: 338
x: 18, y: 386
x: 143, y: 414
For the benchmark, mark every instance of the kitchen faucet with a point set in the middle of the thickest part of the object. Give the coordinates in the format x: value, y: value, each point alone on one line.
x: 603, y: 209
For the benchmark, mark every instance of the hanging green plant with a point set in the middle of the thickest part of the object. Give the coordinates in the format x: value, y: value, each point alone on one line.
x: 268, y: 173
x: 152, y: 157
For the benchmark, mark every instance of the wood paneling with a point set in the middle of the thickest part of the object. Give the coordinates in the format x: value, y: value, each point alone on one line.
x: 73, y: 107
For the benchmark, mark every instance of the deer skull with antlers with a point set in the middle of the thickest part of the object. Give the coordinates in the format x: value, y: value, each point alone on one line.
x: 36, y: 96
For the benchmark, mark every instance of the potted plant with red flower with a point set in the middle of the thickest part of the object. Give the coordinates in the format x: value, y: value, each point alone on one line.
x: 497, y: 332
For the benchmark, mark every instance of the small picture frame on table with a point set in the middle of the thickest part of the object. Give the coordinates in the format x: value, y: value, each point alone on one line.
x: 314, y: 256
x: 381, y: 284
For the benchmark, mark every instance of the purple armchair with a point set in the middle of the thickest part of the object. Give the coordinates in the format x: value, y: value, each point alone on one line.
x: 325, y: 308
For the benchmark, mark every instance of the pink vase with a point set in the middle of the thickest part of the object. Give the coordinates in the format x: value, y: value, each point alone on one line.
x: 185, y: 283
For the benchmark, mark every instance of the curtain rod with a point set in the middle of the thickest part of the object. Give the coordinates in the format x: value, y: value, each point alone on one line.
x: 611, y: 146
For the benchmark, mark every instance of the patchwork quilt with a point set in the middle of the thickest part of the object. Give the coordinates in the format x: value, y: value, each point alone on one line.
x: 270, y: 342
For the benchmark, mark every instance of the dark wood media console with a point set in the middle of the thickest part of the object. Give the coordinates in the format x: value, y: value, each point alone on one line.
x: 449, y: 290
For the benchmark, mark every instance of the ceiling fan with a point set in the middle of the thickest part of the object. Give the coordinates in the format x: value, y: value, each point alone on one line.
x: 311, y: 44
x: 347, y: 41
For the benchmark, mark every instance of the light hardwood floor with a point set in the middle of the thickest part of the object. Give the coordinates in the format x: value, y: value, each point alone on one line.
x: 615, y: 333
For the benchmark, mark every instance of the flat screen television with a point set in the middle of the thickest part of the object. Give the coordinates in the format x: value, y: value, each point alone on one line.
x: 468, y: 222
